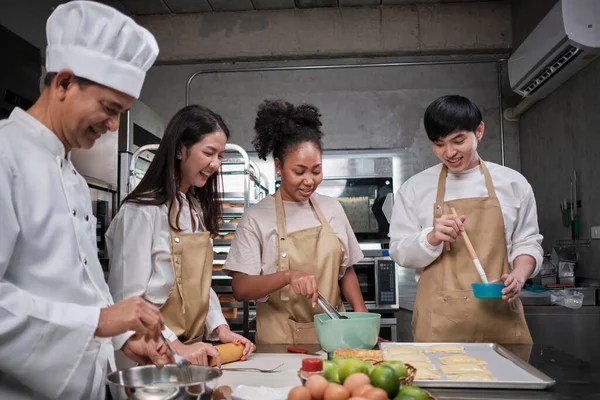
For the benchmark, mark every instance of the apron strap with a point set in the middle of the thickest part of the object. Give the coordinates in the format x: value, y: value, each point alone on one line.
x: 441, y: 189
x: 284, y: 262
x: 176, y: 249
x: 320, y: 214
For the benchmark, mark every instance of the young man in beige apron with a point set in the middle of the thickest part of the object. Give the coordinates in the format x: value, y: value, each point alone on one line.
x: 496, y: 208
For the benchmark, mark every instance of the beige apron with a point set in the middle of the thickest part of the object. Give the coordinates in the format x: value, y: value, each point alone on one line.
x: 445, y: 308
x: 186, y: 308
x: 287, y: 317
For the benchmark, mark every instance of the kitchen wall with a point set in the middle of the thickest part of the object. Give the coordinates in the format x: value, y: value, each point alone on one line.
x: 558, y: 135
x: 367, y: 108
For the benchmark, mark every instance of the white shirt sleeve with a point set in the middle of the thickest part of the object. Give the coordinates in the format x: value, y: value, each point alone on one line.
x: 32, y: 327
x: 130, y: 254
x: 215, y: 317
x: 408, y: 240
x: 526, y: 238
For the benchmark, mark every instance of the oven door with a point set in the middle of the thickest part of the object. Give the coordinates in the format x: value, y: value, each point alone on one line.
x: 365, y: 272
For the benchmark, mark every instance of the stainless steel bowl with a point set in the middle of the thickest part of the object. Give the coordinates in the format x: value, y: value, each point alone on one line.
x: 149, y: 382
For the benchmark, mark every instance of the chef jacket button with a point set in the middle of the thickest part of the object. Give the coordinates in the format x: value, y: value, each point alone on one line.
x: 284, y: 255
x: 176, y: 240
x: 74, y: 172
x: 87, y: 217
x: 74, y: 212
x: 85, y: 261
x: 61, y: 164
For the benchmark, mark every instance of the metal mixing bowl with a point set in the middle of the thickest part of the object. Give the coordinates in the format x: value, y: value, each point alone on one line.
x: 149, y: 382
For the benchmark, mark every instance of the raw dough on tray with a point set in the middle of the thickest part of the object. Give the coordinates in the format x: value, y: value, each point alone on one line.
x: 426, y: 374
x: 402, y: 349
x: 406, y: 358
x: 445, y: 348
x: 463, y: 369
x: 423, y: 365
x: 462, y: 359
x: 472, y: 376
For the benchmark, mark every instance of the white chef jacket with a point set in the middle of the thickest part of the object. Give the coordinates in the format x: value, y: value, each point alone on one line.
x: 140, y: 258
x: 51, y: 283
x: 412, y: 216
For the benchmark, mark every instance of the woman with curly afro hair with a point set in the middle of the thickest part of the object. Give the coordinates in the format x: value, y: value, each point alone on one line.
x: 296, y: 243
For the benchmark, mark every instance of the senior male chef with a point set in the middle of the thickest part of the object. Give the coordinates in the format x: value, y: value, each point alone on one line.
x: 56, y: 312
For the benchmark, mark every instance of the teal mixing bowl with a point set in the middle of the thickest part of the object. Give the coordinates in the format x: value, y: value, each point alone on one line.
x: 360, y: 331
x: 487, y: 290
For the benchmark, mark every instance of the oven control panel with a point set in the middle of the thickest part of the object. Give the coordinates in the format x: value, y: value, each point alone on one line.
x: 386, y: 282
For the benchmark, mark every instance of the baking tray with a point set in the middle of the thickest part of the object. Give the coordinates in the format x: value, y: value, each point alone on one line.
x: 510, y: 370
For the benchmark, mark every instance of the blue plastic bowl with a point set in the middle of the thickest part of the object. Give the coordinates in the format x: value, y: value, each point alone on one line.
x: 487, y: 290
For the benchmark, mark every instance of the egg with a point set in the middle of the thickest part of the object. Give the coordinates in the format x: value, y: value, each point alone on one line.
x: 356, y: 380
x: 336, y: 392
x: 316, y: 385
x: 222, y: 393
x: 299, y: 393
x: 359, y: 391
x: 376, y: 394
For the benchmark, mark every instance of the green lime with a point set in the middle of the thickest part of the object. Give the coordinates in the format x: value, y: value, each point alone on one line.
x: 397, y: 366
x: 338, y: 360
x: 386, y: 378
x: 414, y: 391
x: 370, y: 367
x: 327, y: 364
x: 351, y: 366
x: 404, y: 397
x: 332, y: 375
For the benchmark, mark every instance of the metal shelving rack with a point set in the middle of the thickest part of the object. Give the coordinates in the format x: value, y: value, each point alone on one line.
x: 255, y: 187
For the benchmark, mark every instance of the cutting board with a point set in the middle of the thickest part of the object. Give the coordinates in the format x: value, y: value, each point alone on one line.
x: 286, y: 375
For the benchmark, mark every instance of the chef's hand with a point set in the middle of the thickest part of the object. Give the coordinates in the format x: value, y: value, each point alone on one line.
x: 197, y: 353
x: 133, y: 314
x: 304, y: 284
x: 513, y: 285
x: 446, y: 229
x: 147, y: 351
x: 226, y: 336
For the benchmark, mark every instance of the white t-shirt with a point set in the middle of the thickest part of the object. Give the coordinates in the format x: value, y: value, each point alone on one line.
x: 140, y: 258
x: 254, y: 248
x: 412, y: 216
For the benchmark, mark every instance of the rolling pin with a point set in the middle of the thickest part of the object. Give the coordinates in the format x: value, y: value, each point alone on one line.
x: 229, y: 352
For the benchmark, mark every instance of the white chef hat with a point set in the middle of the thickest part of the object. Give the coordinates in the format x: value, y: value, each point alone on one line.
x: 99, y: 43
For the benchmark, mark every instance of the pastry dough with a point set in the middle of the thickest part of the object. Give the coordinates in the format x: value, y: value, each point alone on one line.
x: 426, y: 374
x: 407, y: 358
x: 462, y: 359
x: 373, y: 356
x: 473, y: 376
x: 402, y: 349
x: 463, y: 369
x: 423, y: 365
x: 445, y: 348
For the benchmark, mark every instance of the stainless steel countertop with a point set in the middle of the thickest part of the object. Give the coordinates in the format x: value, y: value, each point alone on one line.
x: 575, y: 379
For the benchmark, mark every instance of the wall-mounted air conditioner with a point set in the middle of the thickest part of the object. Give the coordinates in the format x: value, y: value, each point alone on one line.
x: 564, y: 42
